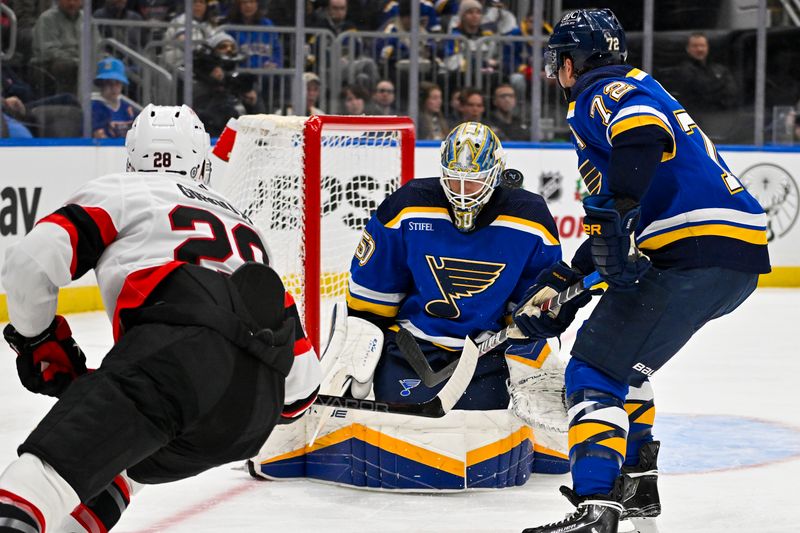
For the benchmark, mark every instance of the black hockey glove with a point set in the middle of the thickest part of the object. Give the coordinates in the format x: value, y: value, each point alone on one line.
x: 48, y: 362
x: 528, y: 316
x: 609, y: 225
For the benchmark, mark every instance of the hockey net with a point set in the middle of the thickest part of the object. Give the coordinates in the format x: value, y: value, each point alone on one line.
x: 310, y: 185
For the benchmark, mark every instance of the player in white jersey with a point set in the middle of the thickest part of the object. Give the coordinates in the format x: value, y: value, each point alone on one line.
x: 209, y: 353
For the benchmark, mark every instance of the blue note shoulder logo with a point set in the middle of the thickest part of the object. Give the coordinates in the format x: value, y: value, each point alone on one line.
x: 407, y: 385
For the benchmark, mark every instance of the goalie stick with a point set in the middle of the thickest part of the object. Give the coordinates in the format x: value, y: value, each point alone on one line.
x: 411, y: 351
x: 436, y: 407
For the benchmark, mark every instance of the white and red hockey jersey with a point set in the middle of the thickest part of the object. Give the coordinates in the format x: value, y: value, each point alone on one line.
x: 134, y: 229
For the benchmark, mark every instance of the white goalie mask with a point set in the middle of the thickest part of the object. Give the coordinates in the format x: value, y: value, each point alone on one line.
x: 472, y: 160
x: 169, y: 139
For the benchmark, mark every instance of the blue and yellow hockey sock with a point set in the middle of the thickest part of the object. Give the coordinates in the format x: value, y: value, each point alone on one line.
x: 598, y: 428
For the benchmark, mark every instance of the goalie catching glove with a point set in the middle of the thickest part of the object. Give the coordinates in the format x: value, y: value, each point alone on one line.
x: 48, y: 362
x: 528, y: 315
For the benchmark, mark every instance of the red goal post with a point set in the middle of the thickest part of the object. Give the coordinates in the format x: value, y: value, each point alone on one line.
x: 310, y: 184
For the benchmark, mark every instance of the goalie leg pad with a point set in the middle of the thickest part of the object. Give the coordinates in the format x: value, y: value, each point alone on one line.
x: 536, y: 387
x: 463, y: 450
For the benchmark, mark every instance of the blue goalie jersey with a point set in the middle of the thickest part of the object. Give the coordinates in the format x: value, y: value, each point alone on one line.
x: 695, y: 213
x: 413, y: 265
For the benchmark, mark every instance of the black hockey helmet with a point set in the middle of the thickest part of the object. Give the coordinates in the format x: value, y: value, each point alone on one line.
x: 590, y: 37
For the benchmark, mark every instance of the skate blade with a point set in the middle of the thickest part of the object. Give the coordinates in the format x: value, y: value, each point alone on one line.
x: 638, y: 525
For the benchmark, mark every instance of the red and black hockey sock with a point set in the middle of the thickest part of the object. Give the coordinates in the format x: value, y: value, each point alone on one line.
x: 102, y: 512
x: 17, y: 515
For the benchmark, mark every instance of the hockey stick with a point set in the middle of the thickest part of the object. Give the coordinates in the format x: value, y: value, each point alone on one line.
x: 436, y: 407
x: 416, y: 359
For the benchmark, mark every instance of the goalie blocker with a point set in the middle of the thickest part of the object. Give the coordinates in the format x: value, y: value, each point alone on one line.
x: 462, y: 450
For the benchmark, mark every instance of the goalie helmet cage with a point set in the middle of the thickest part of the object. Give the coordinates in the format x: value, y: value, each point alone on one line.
x: 310, y: 184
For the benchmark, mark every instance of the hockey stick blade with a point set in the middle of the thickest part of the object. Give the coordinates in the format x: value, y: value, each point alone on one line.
x: 416, y: 359
x: 436, y: 407
x: 430, y: 409
x: 411, y: 351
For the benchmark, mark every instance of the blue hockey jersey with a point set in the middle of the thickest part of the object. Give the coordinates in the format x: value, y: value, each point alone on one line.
x: 696, y: 212
x: 441, y: 284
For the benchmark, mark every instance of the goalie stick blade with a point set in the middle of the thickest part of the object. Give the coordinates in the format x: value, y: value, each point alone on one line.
x: 413, y: 354
x: 458, y: 382
x: 436, y: 407
x: 430, y: 409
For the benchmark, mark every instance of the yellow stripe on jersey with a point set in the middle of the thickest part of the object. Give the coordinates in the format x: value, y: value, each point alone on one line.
x: 539, y: 229
x: 581, y: 143
x: 637, y: 121
x: 636, y: 74
x: 420, y: 212
x: 752, y: 236
x: 358, y: 304
x: 446, y: 348
x: 571, y: 110
x: 396, y: 328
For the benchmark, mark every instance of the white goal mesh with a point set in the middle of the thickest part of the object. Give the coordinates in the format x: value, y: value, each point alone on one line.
x: 353, y: 162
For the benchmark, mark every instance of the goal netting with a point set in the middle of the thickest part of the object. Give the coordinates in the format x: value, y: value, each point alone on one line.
x: 310, y: 185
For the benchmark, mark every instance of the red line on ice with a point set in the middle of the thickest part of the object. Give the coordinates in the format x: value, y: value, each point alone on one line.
x: 199, y: 508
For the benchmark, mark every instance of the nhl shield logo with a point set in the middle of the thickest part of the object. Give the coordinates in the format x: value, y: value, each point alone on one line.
x: 550, y: 185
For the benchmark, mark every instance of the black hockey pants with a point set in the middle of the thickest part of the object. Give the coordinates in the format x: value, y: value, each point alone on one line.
x: 171, y: 399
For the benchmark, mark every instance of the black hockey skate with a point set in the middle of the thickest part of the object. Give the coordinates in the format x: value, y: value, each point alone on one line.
x: 594, y: 514
x: 644, y: 501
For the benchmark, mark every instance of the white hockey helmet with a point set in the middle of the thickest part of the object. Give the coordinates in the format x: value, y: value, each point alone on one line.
x: 169, y: 139
x: 472, y: 160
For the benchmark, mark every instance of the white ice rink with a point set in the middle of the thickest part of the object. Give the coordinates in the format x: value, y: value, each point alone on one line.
x: 727, y: 416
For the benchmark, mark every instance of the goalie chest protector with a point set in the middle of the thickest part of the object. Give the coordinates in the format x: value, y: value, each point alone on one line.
x: 441, y: 284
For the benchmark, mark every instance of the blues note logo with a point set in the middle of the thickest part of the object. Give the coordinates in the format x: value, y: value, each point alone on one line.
x: 407, y: 385
x: 459, y: 278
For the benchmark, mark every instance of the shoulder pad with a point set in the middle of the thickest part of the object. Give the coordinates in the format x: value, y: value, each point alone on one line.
x: 521, y: 204
x: 419, y: 192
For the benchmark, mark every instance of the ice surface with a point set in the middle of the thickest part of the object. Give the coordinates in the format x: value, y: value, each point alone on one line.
x: 727, y: 417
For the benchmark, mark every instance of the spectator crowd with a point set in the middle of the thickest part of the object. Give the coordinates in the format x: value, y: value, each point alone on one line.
x: 474, y: 59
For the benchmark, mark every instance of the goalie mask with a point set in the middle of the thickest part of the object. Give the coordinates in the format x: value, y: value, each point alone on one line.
x: 168, y: 139
x: 472, y: 162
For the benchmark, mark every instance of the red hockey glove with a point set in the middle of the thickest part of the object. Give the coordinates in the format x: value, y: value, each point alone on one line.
x: 48, y: 362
